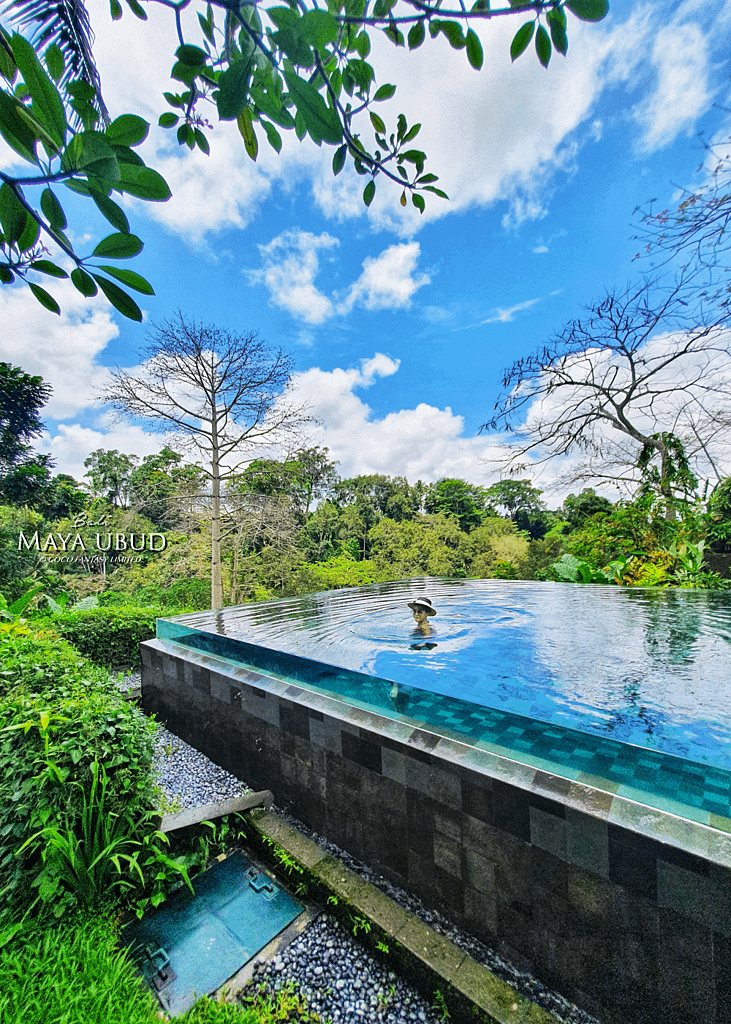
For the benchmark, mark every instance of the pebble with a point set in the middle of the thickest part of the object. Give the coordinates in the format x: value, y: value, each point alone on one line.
x: 189, y: 779
x: 337, y: 994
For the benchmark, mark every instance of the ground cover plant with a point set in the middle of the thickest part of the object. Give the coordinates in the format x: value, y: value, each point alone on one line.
x: 76, y: 973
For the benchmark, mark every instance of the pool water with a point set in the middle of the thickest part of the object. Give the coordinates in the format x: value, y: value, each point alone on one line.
x: 645, y: 667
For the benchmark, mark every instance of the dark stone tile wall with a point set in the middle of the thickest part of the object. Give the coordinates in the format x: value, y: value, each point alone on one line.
x: 632, y: 929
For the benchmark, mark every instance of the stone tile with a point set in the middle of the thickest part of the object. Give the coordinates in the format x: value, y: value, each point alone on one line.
x: 326, y: 734
x: 480, y: 913
x: 478, y: 872
x: 448, y: 855
x: 393, y: 764
x: 437, y: 783
x: 633, y: 861
x: 592, y: 897
x: 511, y: 810
x: 685, y: 892
x: 548, y: 832
x: 587, y: 842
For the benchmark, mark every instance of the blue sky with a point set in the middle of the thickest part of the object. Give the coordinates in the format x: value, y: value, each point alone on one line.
x: 399, y: 324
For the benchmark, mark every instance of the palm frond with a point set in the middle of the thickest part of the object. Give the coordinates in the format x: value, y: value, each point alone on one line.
x: 65, y: 23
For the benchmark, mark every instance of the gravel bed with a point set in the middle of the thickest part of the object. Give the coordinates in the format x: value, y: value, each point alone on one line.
x: 189, y: 779
x: 341, y: 981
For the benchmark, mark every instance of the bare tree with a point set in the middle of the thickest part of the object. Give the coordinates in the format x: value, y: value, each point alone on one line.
x: 647, y: 368
x: 696, y: 233
x: 225, y: 396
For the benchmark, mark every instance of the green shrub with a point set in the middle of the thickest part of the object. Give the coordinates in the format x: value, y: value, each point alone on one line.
x: 108, y: 636
x: 59, y: 714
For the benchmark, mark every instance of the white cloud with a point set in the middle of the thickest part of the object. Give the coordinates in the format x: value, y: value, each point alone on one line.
x: 680, y: 57
x: 422, y: 443
x: 71, y: 444
x: 64, y: 350
x: 291, y: 264
x: 388, y: 281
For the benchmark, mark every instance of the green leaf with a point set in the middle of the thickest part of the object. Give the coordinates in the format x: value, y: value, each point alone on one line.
x: 207, y: 27
x: 83, y: 282
x: 339, y: 159
x: 233, y: 90
x: 13, y: 214
x: 44, y: 298
x: 412, y: 133
x: 557, y: 24
x: 46, y: 267
x: 52, y: 210
x: 384, y: 93
x: 192, y: 56
x: 202, y: 141
x: 282, y: 16
x: 273, y: 136
x: 30, y: 234
x: 144, y: 183
x: 55, y: 62
x: 6, y: 275
x: 91, y: 153
x: 16, y: 129
x: 291, y: 41
x: 416, y: 35
x: 521, y: 39
x: 137, y: 9
x: 121, y: 301
x: 436, y: 191
x: 474, y: 49
x: 115, y: 9
x: 168, y: 120
x: 130, y: 278
x: 119, y: 246
x: 318, y: 28
x: 47, y: 102
x: 246, y: 129
x: 377, y: 123
x: 368, y: 192
x: 543, y: 46
x: 589, y: 10
x: 453, y: 31
x: 320, y: 120
x: 127, y: 130
x: 362, y: 45
x: 113, y: 213
x: 418, y: 202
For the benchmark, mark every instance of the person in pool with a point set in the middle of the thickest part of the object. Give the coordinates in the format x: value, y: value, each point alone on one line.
x: 421, y: 609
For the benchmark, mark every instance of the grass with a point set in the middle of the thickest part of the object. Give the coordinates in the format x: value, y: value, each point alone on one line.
x: 75, y: 974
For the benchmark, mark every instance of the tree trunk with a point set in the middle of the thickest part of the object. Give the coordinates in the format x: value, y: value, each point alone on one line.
x: 216, y: 581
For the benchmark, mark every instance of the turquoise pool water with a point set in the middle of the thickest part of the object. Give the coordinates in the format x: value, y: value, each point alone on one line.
x: 651, y: 668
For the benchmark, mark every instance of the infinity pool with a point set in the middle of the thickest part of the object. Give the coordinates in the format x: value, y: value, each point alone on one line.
x: 645, y: 667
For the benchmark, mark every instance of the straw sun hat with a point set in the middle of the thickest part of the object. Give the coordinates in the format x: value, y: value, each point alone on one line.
x: 422, y: 604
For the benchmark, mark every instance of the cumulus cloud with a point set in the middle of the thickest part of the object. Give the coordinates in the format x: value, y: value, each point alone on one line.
x: 70, y: 444
x: 291, y: 264
x: 64, y: 350
x: 388, y: 281
x: 421, y: 443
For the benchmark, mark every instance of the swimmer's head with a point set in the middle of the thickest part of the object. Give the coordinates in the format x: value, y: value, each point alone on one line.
x: 421, y: 608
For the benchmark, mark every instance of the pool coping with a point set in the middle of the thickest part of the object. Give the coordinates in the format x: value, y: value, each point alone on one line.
x: 593, y: 796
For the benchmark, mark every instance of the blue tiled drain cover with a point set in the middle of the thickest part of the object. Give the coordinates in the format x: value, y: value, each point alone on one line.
x: 192, y: 944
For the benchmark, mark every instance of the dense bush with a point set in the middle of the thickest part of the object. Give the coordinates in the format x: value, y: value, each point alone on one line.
x: 108, y: 636
x: 59, y: 716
